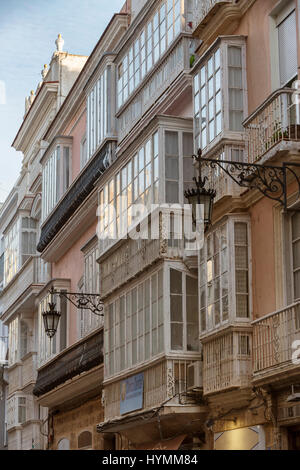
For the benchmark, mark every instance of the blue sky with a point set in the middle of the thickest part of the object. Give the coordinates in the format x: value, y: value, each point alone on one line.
x: 28, y: 29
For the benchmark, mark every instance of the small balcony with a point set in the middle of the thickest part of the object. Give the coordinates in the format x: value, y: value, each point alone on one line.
x: 227, y: 362
x: 273, y: 127
x: 203, y: 10
x: 274, y: 338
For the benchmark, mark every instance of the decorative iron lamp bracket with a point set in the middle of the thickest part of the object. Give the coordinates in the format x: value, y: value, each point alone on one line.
x: 271, y: 181
x: 82, y: 300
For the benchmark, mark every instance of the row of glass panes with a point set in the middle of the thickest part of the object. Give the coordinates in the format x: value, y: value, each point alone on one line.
x: 134, y: 326
x: 97, y: 113
x: 208, y: 101
x: 20, y: 243
x: 214, y: 276
x: 162, y: 77
x: 13, y: 341
x: 152, y: 42
x: 214, y: 279
x: 184, y: 311
x: 50, y: 183
x: 56, y: 178
x: 210, y: 90
x: 12, y: 250
x: 136, y: 183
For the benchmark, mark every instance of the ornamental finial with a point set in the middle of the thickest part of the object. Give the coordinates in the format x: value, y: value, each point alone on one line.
x: 59, y: 43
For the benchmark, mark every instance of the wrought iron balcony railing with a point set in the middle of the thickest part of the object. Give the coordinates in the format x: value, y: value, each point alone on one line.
x: 274, y: 338
x: 277, y: 120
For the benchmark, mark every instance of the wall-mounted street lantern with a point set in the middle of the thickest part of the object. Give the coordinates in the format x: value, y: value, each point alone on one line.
x: 200, y: 195
x: 51, y: 316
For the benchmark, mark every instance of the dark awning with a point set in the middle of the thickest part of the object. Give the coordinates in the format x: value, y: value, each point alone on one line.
x: 80, y: 358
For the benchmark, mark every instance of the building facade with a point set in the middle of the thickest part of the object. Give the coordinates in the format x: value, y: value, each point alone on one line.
x: 197, y: 348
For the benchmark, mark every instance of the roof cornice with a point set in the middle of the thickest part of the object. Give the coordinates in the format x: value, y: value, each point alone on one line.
x: 76, y: 96
x: 46, y: 96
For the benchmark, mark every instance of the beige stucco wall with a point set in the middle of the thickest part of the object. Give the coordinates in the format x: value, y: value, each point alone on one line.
x: 69, y: 424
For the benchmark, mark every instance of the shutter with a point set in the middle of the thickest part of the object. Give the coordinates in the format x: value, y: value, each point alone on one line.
x: 287, y: 39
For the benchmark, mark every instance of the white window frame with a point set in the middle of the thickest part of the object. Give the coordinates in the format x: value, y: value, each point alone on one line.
x: 55, y: 179
x: 119, y: 328
x: 223, y: 44
x: 279, y: 14
x: 14, y: 341
x: 184, y: 274
x: 229, y: 224
x: 134, y: 188
x: 293, y: 270
x: 98, y: 103
x: 150, y: 44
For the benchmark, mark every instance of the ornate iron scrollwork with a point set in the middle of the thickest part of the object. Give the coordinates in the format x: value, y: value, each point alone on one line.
x: 81, y: 300
x: 271, y: 181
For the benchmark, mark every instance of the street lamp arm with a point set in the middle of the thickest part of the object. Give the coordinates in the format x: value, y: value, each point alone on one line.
x: 85, y: 301
x: 271, y: 181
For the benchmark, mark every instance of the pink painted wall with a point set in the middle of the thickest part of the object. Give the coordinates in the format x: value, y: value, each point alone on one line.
x: 70, y: 266
x: 255, y: 25
x: 263, y: 262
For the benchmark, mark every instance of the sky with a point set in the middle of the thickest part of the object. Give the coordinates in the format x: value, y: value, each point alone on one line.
x: 28, y: 30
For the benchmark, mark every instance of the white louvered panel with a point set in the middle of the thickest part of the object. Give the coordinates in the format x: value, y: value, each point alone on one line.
x: 287, y: 38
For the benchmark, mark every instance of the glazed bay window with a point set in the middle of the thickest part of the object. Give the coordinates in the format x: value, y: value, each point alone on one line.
x: 136, y: 183
x: 150, y: 44
x: 224, y: 275
x: 56, y: 174
x: 134, y: 326
x: 98, y: 112
x: 220, y: 91
x: 157, y: 315
x: 48, y: 348
x: 19, y: 245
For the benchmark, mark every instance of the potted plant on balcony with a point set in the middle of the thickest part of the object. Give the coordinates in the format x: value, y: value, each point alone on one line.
x: 278, y: 134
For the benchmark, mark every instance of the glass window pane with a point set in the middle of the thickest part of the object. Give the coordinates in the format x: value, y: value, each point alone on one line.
x: 175, y: 281
x: 176, y: 336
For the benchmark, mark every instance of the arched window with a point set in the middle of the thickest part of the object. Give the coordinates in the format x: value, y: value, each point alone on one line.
x: 85, y: 440
x: 64, y: 444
